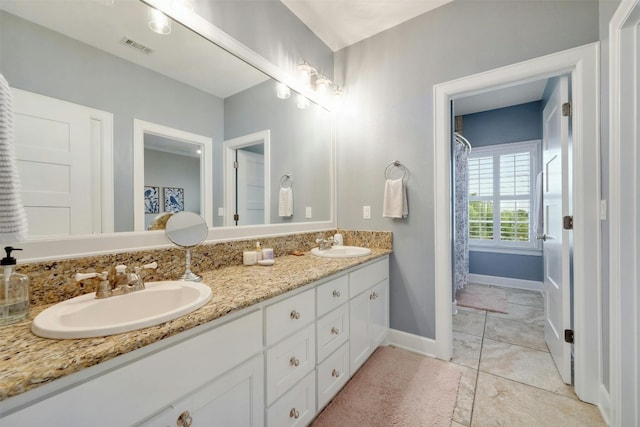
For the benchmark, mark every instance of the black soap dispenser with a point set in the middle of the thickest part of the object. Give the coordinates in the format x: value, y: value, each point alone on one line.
x: 14, y: 290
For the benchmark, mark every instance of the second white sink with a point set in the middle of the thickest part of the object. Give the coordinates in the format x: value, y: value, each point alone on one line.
x: 85, y: 316
x: 341, y: 252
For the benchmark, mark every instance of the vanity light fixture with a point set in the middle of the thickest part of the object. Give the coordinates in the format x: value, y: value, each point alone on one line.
x: 323, y: 86
x: 306, y: 71
x: 302, y: 102
x: 282, y: 91
x: 159, y: 22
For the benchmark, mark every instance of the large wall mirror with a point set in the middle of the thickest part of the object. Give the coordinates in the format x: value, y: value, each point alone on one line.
x: 117, y: 80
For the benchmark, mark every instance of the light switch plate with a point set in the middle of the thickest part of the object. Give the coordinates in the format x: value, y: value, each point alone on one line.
x: 220, y: 211
x: 307, y: 212
x: 366, y: 212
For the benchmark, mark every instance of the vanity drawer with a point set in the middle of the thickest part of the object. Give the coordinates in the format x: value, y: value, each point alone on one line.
x: 366, y: 277
x: 332, y: 331
x: 297, y: 407
x: 333, y: 374
x: 285, y: 317
x: 332, y: 294
x: 289, y: 361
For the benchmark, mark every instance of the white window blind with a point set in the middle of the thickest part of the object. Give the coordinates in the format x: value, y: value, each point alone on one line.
x: 501, y: 187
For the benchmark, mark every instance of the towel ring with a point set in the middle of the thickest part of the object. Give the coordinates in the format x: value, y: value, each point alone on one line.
x: 286, y: 178
x: 397, y: 164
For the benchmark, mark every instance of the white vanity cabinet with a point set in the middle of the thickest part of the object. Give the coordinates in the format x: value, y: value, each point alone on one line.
x: 211, y: 375
x: 368, y: 311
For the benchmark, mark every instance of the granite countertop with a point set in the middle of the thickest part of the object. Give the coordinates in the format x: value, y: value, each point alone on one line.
x: 28, y: 361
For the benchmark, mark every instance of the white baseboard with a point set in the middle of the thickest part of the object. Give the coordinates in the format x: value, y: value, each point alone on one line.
x: 507, y: 282
x: 415, y: 343
x: 604, y: 403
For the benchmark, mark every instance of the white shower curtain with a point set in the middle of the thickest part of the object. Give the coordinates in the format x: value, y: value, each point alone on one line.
x: 461, y: 209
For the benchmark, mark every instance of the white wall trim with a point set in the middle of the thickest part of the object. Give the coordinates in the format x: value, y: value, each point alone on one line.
x: 624, y: 203
x: 583, y: 65
x: 506, y: 282
x: 604, y: 404
x: 415, y: 343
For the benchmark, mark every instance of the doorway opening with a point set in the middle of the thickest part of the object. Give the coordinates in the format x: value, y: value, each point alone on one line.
x: 582, y: 66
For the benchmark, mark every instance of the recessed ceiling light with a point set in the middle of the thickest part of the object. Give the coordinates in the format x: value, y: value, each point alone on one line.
x: 159, y: 22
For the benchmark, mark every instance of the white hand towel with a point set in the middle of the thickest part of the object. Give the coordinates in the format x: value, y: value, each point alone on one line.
x: 395, y: 199
x: 13, y: 219
x: 285, y: 202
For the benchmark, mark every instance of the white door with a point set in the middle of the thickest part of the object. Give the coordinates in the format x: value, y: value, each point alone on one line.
x: 250, y: 189
x: 557, y: 279
x: 56, y: 152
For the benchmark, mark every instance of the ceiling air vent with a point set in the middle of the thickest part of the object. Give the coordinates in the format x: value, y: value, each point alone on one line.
x: 137, y: 46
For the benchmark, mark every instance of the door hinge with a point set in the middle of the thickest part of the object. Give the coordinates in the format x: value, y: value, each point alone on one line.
x: 236, y: 217
x: 568, y: 336
x: 567, y: 222
x: 235, y: 165
x: 566, y: 109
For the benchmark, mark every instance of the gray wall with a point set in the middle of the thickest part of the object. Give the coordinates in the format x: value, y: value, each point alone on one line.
x: 270, y: 29
x: 502, y: 126
x: 300, y: 145
x: 39, y: 60
x: 388, y: 81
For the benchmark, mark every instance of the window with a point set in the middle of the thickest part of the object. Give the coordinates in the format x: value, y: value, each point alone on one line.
x: 501, y: 196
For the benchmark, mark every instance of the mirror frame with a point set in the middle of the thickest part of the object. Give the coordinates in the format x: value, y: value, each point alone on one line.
x: 123, y: 242
x: 140, y: 128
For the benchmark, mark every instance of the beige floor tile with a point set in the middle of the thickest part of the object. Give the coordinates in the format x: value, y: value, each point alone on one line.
x: 469, y: 322
x: 515, y: 332
x: 466, y: 350
x: 523, y: 297
x: 524, y: 365
x: 501, y: 402
x: 524, y: 313
x: 455, y: 424
x: 466, y: 391
x: 471, y: 309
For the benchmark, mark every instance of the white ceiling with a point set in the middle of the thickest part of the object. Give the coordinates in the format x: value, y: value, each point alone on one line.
x: 180, y: 55
x: 500, y: 98
x: 340, y: 23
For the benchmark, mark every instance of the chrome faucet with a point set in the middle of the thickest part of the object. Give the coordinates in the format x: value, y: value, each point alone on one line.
x: 123, y: 282
x: 324, y: 244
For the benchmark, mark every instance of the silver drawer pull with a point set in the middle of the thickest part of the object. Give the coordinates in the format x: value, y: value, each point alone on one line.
x: 294, y: 414
x: 294, y: 315
x: 335, y: 373
x: 335, y: 331
x: 336, y: 294
x: 184, y: 420
x: 293, y: 361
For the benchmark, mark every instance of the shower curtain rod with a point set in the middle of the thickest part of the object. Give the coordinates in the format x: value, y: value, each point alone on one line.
x: 463, y: 140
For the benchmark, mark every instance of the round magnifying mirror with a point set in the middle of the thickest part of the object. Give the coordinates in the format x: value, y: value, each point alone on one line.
x: 187, y: 230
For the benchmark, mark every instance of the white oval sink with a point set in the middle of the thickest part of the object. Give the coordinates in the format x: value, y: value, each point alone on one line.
x: 341, y: 252
x: 86, y: 317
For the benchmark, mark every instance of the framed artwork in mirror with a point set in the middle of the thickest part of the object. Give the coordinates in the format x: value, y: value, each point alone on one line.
x: 173, y: 199
x: 151, y: 200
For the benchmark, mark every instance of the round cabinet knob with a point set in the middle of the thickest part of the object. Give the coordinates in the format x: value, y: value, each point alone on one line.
x: 335, y: 331
x: 336, y: 294
x: 294, y: 414
x: 294, y: 315
x: 184, y: 420
x: 335, y: 373
x: 293, y: 361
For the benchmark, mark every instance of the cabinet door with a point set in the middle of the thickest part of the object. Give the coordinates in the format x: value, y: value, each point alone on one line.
x: 360, y: 346
x: 234, y: 399
x: 379, y: 312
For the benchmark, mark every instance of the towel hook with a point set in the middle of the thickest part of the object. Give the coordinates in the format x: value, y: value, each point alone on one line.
x: 397, y: 164
x: 286, y: 178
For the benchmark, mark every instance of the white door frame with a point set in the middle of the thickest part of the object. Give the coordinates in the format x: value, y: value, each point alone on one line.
x: 140, y: 127
x: 230, y: 145
x: 624, y: 229
x: 582, y: 63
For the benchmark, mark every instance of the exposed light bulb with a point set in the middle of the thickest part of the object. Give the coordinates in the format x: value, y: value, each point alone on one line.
x: 305, y: 72
x: 159, y: 22
x: 302, y: 102
x: 282, y: 91
x: 323, y: 87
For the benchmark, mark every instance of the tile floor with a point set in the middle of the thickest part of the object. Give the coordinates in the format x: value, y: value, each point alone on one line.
x: 508, y: 376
